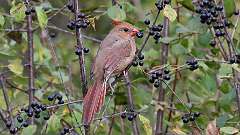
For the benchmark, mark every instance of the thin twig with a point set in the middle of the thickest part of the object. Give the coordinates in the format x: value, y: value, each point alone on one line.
x: 68, y: 103
x: 131, y: 105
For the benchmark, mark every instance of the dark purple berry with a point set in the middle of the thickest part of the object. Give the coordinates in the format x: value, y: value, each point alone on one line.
x: 185, y: 119
x: 19, y: 119
x: 130, y: 117
x: 140, y: 56
x: 166, y: 77
x: 46, y: 117
x: 30, y: 114
x: 166, y: 71
x: 13, y: 130
x: 135, y: 63
x: 28, y: 12
x: 37, y: 116
x: 140, y: 63
x: 147, y: 21
x: 123, y: 115
x: 8, y: 124
x: 232, y: 60
x: 60, y: 102
x: 213, y: 43
x: 236, y: 12
x: 139, y: 34
x: 52, y: 34
x: 85, y: 50
x: 156, y: 84
x: 81, y: 15
x: 196, y: 114
x: 51, y: 97
x: 192, y: 117
x: 25, y: 124
x: 59, y: 96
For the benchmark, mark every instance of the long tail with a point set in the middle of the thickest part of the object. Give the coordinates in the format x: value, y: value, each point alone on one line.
x: 93, y: 101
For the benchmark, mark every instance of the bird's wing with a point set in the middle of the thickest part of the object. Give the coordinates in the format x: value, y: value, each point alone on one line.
x: 106, y: 43
x: 119, y: 57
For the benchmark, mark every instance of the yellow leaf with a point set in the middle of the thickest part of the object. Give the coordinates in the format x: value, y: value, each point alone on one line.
x: 16, y: 67
x: 170, y: 13
x: 146, y: 124
x: 178, y: 131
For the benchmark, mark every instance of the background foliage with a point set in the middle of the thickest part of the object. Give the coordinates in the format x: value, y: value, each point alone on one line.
x: 208, y: 90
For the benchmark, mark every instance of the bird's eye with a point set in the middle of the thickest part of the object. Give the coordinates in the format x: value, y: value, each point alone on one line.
x: 125, y: 29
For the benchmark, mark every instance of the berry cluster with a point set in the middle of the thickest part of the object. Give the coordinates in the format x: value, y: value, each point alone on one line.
x: 65, y: 131
x: 193, y: 64
x: 55, y: 96
x: 235, y: 59
x: 154, y: 30
x: 138, y: 60
x: 30, y: 10
x: 78, y: 50
x: 81, y: 22
x: 35, y: 109
x: 130, y: 116
x: 156, y: 77
x: 161, y: 4
x: 210, y: 13
x: 190, y: 117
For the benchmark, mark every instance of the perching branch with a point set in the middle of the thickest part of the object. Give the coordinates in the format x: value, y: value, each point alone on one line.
x: 130, y: 103
x: 164, y: 55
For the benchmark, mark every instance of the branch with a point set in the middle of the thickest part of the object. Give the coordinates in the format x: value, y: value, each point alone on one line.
x: 30, y: 55
x: 130, y: 103
x: 172, y: 96
x: 81, y: 55
x: 6, y: 99
x: 164, y: 55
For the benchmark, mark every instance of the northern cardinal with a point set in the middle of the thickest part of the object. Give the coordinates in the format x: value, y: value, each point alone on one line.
x: 116, y: 52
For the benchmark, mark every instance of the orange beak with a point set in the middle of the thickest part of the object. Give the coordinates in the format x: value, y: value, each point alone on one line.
x: 134, y: 32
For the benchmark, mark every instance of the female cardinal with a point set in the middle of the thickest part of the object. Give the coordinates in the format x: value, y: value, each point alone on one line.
x: 116, y: 52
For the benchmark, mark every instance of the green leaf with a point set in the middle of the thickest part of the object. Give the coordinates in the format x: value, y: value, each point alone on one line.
x: 178, y: 50
x: 230, y: 7
x: 54, y: 124
x: 2, y: 20
x: 229, y: 130
x: 170, y: 13
x: 222, y: 120
x: 116, y: 13
x: 146, y: 124
x: 225, y: 86
x: 204, y: 39
x: 187, y: 4
x: 18, y: 12
x: 16, y: 67
x: 30, y: 130
x: 42, y: 17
